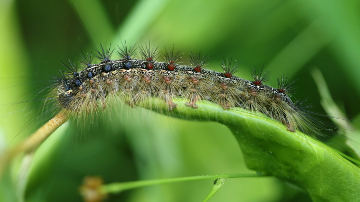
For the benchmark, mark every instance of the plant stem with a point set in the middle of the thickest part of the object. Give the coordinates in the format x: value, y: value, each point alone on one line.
x: 219, y: 182
x: 122, y: 186
x: 32, y: 142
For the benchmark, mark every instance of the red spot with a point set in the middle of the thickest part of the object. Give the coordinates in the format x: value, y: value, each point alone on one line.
x: 253, y: 92
x: 257, y: 82
x: 150, y: 65
x: 167, y: 80
x: 281, y: 90
x: 197, y: 68
x: 223, y: 86
x: 149, y: 59
x: 171, y: 66
x: 228, y: 75
x: 147, y: 79
x: 127, y: 78
x: 194, y: 80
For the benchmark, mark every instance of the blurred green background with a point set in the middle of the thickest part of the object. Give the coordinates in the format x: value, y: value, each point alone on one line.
x: 288, y: 37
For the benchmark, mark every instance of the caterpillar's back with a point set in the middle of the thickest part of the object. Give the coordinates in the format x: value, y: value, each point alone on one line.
x: 134, y: 80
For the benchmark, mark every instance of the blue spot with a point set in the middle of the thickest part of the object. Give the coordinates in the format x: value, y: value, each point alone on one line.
x: 90, y: 75
x: 76, y: 74
x: 107, y: 68
x: 67, y: 87
x: 77, y: 82
x: 128, y: 65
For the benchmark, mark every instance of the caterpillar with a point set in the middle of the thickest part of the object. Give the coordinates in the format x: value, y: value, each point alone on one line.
x: 133, y: 80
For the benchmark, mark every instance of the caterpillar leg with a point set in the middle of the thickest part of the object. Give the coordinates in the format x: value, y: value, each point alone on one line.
x: 224, y: 103
x: 192, y: 103
x: 165, y: 95
x: 193, y: 99
x: 170, y: 102
x: 290, y: 127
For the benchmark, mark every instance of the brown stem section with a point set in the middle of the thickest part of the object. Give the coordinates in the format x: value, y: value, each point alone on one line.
x: 32, y: 142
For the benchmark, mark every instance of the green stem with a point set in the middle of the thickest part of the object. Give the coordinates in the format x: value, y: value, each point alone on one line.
x: 219, y: 182
x: 122, y: 186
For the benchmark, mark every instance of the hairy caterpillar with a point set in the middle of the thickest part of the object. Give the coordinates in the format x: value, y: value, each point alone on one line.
x: 133, y: 80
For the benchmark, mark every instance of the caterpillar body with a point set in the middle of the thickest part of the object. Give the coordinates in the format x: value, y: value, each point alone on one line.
x: 133, y: 80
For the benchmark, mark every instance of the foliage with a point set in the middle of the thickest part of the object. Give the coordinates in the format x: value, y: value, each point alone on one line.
x: 287, y: 37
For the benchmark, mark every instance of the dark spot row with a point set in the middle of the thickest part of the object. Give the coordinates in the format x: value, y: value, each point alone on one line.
x: 148, y: 55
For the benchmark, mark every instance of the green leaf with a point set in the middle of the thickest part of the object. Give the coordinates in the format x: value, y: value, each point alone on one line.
x: 94, y: 18
x: 271, y: 149
x: 341, y: 21
x: 352, y: 135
